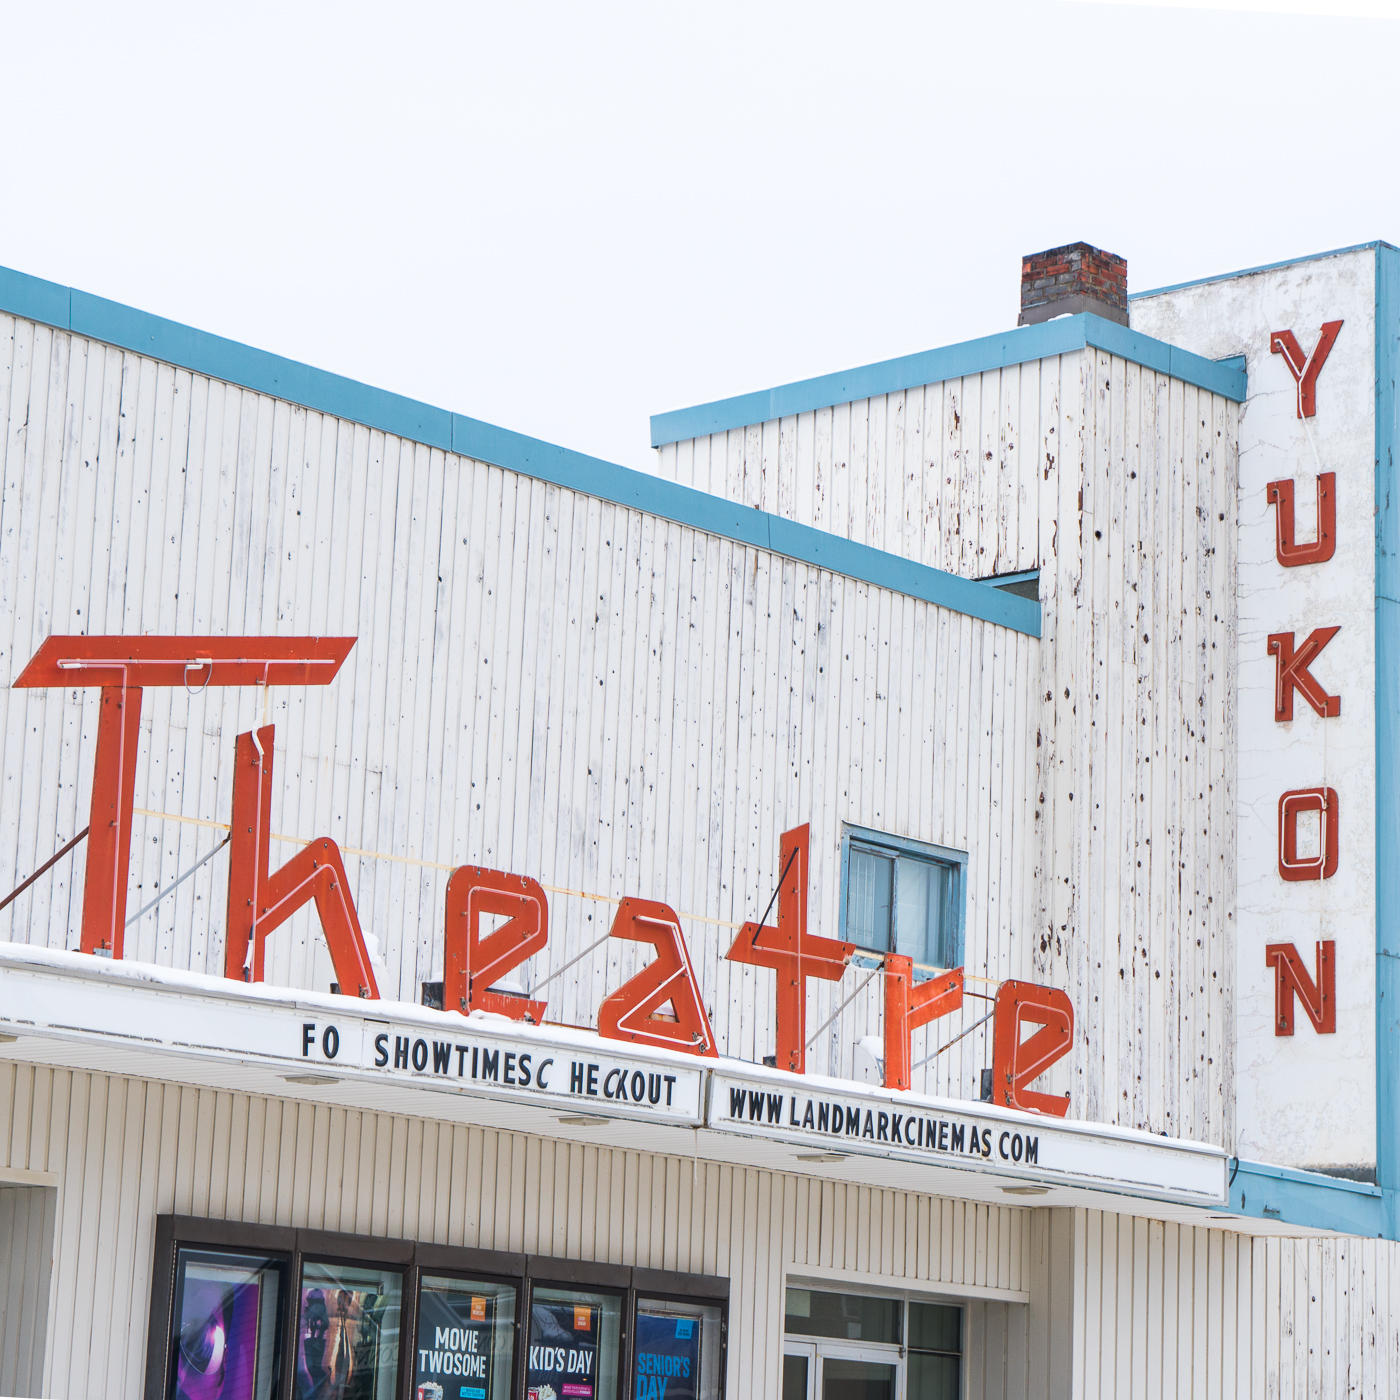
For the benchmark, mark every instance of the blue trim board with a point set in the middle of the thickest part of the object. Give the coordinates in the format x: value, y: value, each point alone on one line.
x: 264, y: 373
x: 1263, y: 267
x: 1388, y: 734
x: 1309, y: 1199
x: 1062, y: 336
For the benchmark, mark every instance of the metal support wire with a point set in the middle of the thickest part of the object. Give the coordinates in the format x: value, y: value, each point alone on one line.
x: 53, y: 860
x: 875, y: 972
x: 933, y: 1054
x: 180, y: 880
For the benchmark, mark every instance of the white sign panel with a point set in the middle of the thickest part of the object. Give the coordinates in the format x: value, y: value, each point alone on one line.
x: 825, y: 1117
x: 1287, y: 1074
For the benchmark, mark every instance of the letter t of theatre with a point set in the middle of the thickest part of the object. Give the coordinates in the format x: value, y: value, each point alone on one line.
x: 791, y: 952
x: 123, y: 667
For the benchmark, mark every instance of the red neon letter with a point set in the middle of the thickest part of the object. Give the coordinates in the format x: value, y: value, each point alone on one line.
x: 1323, y: 865
x: 1292, y: 673
x: 1015, y: 1063
x: 908, y: 1006
x: 1305, y: 369
x: 634, y: 1011
x: 1319, y: 998
x: 1290, y: 555
x: 472, y: 963
x: 122, y: 666
x: 791, y: 953
x: 259, y: 902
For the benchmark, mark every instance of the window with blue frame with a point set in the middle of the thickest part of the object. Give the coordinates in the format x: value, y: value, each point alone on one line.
x: 904, y: 897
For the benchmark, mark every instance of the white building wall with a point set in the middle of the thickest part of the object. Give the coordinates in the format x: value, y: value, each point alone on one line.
x: 1118, y: 485
x: 543, y: 682
x: 127, y: 1150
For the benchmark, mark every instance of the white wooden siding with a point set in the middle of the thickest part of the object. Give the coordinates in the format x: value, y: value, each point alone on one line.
x: 1119, y: 486
x: 1171, y: 1310
x: 543, y: 682
x: 27, y: 1215
x: 127, y: 1150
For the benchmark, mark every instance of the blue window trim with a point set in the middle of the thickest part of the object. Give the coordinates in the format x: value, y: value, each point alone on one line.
x: 905, y: 846
x: 1058, y: 337
x: 129, y: 329
x: 1006, y: 580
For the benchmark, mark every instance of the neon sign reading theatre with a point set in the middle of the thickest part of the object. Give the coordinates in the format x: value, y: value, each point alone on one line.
x: 660, y: 1006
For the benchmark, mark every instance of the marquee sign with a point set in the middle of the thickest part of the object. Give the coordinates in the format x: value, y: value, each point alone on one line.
x: 316, y: 1039
x: 660, y: 1006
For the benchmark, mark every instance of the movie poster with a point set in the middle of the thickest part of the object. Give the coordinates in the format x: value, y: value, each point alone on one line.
x: 668, y: 1357
x: 216, y: 1354
x: 563, y: 1358
x: 456, y: 1357
x: 339, y: 1338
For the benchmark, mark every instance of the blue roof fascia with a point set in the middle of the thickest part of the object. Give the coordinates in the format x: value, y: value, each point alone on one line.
x: 1310, y: 1199
x: 1263, y: 267
x: 229, y: 360
x: 1063, y: 335
x: 1387, y: 639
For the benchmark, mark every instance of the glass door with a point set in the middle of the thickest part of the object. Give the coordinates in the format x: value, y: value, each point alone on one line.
x: 858, y: 1373
x: 799, y: 1370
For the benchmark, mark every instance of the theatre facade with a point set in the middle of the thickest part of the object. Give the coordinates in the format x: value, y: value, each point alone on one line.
x: 899, y: 901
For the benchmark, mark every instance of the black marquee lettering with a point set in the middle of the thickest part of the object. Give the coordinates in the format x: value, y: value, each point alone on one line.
x: 1016, y: 1148
x: 330, y: 1043
x: 462, y: 1060
x: 670, y: 1087
x: 792, y: 1112
x: 896, y: 1135
x: 736, y: 1102
x: 823, y: 1117
x: 653, y: 1088
x: 869, y: 1129
x: 420, y: 1055
x: 959, y: 1143
x: 442, y: 1057
x: 381, y: 1050
x: 308, y: 1038
x: 575, y: 1077
x: 400, y: 1052
x: 1032, y: 1149
x: 509, y: 1073
x: 491, y: 1065
x: 638, y: 1086
x: 539, y: 1073
x: 592, y: 1085
x: 942, y: 1134
x: 775, y: 1108
x: 809, y: 1119
x: 853, y: 1122
x: 524, y: 1083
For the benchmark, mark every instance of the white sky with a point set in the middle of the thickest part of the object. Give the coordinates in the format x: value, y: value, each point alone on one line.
x: 563, y: 218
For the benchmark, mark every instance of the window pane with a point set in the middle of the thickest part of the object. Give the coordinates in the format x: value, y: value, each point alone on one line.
x: 934, y: 1377
x: 466, y: 1337
x: 857, y: 1380
x: 228, y: 1316
x: 348, y: 1331
x: 676, y: 1346
x: 794, y: 1378
x: 916, y: 910
x: 935, y: 1327
x: 869, y: 887
x: 849, y: 1316
x: 573, y: 1345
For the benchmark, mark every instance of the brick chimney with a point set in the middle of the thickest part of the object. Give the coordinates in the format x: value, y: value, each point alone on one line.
x: 1075, y: 278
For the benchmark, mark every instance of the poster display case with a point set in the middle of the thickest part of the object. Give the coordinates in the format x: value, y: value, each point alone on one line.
x: 252, y: 1312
